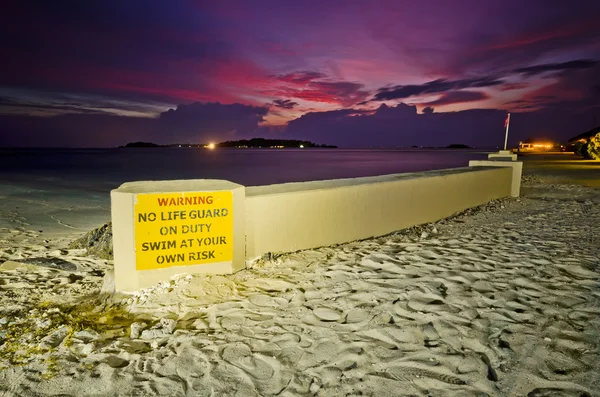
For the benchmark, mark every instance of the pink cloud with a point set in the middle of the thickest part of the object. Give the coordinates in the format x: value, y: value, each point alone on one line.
x: 316, y: 87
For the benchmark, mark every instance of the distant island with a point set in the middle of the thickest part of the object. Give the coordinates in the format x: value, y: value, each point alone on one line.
x: 272, y: 143
x: 141, y: 144
x: 452, y: 146
x: 458, y: 146
x: 243, y: 143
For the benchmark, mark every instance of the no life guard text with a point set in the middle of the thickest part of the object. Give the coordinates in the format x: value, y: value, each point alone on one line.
x: 182, y: 229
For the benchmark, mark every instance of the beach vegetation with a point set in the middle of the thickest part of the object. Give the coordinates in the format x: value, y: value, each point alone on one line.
x: 589, y: 149
x: 593, y: 147
x: 39, y: 333
x: 580, y: 148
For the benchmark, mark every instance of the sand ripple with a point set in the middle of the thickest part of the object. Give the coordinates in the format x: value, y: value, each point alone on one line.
x: 502, y: 303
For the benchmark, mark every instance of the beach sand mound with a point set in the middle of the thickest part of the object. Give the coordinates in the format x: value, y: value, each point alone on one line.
x: 97, y: 242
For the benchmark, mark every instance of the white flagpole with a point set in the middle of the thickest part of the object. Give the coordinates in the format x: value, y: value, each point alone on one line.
x: 506, y: 136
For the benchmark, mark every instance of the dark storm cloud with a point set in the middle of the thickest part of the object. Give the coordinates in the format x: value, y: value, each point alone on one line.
x: 74, y: 130
x: 396, y: 126
x: 513, y: 86
x: 194, y: 123
x: 199, y: 121
x: 284, y: 103
x: 557, y: 67
x: 450, y: 88
x: 453, y: 97
x: 572, y: 91
x: 402, y: 126
x: 433, y: 87
x: 304, y: 77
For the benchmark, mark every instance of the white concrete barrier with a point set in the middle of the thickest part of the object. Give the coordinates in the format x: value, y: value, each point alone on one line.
x: 502, y: 155
x: 205, y: 226
x: 517, y: 172
x: 295, y: 216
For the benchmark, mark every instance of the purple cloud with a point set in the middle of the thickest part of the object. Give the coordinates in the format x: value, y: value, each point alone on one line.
x: 284, y: 103
x: 194, y: 123
x: 433, y: 87
x: 557, y: 67
x: 453, y: 97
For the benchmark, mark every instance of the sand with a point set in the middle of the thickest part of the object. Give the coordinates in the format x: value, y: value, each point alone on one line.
x: 503, y: 300
x: 562, y: 168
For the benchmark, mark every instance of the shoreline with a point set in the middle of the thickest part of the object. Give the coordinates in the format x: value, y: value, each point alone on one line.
x: 65, y: 213
x: 501, y: 300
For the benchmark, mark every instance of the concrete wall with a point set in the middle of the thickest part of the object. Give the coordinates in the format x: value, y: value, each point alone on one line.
x: 517, y: 170
x: 295, y: 216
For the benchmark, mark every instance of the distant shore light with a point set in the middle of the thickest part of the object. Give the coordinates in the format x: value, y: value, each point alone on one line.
x: 211, y: 145
x: 301, y: 146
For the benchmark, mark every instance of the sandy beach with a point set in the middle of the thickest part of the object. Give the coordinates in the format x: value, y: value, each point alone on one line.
x: 501, y: 300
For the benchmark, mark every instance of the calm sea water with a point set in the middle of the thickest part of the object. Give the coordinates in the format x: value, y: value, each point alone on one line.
x: 99, y: 170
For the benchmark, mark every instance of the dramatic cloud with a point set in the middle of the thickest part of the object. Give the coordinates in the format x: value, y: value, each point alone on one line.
x: 453, y: 97
x: 75, y: 130
x: 16, y: 107
x: 301, y: 78
x: 194, y: 123
x: 513, y: 86
x: 557, y: 67
x: 27, y: 102
x: 100, y: 67
x: 284, y: 103
x: 318, y: 87
x: 401, y: 125
x: 198, y: 122
x: 433, y: 87
x: 570, y: 91
x: 540, y: 34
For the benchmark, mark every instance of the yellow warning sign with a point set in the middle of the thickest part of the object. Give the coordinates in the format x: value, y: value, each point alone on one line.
x: 182, y: 229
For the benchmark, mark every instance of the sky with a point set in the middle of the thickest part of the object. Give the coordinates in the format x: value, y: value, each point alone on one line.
x: 102, y: 73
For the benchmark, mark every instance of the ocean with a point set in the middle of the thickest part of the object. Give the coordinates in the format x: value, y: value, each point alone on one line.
x: 100, y: 170
x: 66, y: 191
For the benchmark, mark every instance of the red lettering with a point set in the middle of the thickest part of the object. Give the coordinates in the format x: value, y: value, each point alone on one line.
x: 162, y: 201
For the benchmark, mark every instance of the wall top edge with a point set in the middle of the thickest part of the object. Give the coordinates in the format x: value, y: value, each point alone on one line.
x: 183, y: 185
x: 350, y: 182
x: 508, y: 163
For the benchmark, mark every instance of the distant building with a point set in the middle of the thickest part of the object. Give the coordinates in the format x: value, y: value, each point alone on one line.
x: 533, y: 145
x: 585, y: 136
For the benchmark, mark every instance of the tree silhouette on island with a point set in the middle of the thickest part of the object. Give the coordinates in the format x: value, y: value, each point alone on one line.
x: 243, y: 143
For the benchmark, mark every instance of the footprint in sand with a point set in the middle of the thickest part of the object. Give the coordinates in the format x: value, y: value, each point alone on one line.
x: 560, y: 364
x: 266, y: 301
x: 430, y: 335
x: 286, y: 340
x: 327, y: 314
x: 240, y: 355
x: 357, y: 316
